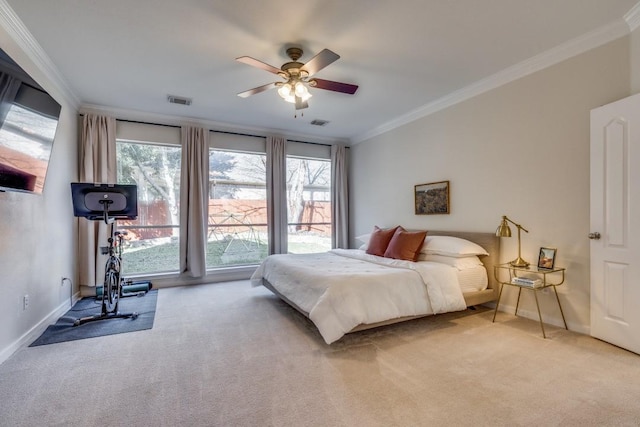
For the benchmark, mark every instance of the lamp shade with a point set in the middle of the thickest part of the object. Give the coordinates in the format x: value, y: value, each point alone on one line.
x: 503, y: 229
x: 285, y: 91
x: 300, y: 89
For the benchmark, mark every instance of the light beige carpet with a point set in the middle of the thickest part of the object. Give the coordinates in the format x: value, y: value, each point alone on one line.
x: 232, y: 355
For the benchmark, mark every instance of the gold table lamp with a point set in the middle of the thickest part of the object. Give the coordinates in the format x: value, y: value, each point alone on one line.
x: 505, y: 231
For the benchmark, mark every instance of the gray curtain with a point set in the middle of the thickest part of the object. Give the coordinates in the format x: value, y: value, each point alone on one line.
x: 277, y: 194
x: 97, y: 165
x: 339, y: 197
x: 194, y: 201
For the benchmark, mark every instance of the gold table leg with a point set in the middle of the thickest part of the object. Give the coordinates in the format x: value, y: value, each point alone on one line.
x: 518, y: 302
x: 497, y: 304
x: 535, y: 294
x: 560, y: 305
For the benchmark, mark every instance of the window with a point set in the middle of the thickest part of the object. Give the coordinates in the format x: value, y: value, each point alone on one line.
x: 237, y: 208
x: 152, y: 242
x: 308, y: 204
x: 237, y: 233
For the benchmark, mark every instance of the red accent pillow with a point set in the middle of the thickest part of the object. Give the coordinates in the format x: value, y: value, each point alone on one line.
x: 405, y: 244
x: 380, y: 240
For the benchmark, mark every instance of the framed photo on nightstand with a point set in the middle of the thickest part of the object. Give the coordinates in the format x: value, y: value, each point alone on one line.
x: 547, y: 258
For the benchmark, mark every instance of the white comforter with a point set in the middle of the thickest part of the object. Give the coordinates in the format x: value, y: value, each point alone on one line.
x: 343, y: 288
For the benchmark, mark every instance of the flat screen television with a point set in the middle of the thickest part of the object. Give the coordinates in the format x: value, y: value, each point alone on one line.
x: 28, y: 122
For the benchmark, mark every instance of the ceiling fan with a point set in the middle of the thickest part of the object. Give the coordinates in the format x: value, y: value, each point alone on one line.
x: 297, y: 77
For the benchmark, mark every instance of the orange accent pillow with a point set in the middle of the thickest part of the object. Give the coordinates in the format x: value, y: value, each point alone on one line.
x: 405, y: 244
x: 380, y: 240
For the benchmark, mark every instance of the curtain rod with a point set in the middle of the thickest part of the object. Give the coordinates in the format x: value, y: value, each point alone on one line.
x: 216, y: 131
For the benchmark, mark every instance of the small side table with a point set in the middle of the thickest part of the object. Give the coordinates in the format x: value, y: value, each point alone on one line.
x: 514, y: 272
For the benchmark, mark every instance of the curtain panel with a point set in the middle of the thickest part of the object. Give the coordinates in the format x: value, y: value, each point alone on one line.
x: 194, y: 201
x: 277, y: 194
x: 97, y: 165
x: 339, y: 197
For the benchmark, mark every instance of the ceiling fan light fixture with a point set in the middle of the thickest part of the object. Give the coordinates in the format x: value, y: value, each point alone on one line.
x: 300, y: 89
x: 290, y: 90
x: 306, y: 95
x: 285, y: 91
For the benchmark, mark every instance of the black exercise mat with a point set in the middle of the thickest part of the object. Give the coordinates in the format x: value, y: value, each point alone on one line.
x: 63, y: 330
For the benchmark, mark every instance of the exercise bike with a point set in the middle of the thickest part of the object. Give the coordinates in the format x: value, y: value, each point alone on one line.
x: 107, y: 203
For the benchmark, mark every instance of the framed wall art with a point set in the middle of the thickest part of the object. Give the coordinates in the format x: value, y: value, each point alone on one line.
x: 547, y: 258
x: 432, y: 198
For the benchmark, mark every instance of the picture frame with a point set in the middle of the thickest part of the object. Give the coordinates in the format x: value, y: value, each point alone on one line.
x: 547, y: 258
x: 432, y: 198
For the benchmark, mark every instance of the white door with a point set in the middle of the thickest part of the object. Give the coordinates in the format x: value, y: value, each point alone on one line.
x: 615, y: 223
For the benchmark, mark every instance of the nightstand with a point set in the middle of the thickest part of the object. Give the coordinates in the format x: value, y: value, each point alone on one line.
x: 541, y: 279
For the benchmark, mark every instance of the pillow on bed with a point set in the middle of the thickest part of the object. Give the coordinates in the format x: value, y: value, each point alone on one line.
x: 451, y: 246
x: 380, y: 240
x: 405, y: 244
x: 365, y: 239
x: 461, y: 263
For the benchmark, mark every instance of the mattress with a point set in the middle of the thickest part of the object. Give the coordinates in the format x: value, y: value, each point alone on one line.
x: 473, y: 279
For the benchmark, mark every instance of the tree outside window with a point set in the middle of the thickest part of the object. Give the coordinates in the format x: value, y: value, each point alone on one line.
x: 152, y: 240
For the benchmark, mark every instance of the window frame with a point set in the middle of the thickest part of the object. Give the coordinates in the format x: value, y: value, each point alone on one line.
x: 174, y: 227
x: 328, y: 199
x: 250, y: 226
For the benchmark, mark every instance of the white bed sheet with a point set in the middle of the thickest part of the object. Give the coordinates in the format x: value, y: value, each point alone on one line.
x: 473, y: 279
x: 344, y: 288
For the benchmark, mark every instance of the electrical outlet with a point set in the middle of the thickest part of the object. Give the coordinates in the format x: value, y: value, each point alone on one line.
x: 25, y: 302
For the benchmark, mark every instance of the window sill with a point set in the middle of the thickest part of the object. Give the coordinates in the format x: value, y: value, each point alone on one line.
x: 225, y: 274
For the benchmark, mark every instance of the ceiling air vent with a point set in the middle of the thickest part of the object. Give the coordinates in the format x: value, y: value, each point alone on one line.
x: 317, y: 122
x: 179, y: 100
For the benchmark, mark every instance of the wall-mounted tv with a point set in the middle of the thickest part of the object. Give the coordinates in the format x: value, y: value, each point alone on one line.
x: 28, y: 122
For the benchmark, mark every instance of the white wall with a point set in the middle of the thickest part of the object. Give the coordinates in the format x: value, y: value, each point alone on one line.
x: 520, y: 150
x: 37, y: 243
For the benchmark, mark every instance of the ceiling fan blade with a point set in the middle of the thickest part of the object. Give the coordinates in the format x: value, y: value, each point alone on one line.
x: 300, y: 104
x: 256, y: 90
x: 258, y: 64
x: 321, y: 60
x: 334, y: 86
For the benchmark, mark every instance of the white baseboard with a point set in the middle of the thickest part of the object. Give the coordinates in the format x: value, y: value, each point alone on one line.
x: 551, y: 320
x: 33, y: 333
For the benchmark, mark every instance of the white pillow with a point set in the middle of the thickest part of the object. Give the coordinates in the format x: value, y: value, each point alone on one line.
x: 461, y: 263
x: 365, y: 239
x: 451, y: 246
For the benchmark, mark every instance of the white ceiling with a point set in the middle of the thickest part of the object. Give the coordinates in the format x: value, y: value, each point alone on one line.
x: 406, y: 55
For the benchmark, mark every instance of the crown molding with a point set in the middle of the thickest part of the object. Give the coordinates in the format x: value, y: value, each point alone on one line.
x: 16, y: 29
x: 539, y: 62
x: 633, y: 17
x: 164, y: 119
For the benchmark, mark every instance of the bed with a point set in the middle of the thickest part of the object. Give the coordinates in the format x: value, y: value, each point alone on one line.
x: 348, y: 290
